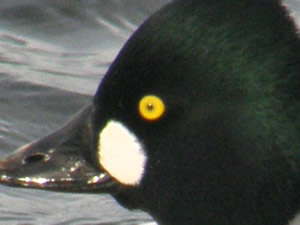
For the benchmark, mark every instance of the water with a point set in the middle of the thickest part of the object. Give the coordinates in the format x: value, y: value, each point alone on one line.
x: 54, y: 52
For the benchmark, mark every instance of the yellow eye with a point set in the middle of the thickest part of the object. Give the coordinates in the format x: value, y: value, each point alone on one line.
x: 151, y: 107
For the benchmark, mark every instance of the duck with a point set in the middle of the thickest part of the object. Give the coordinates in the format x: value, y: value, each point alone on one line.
x: 195, y: 122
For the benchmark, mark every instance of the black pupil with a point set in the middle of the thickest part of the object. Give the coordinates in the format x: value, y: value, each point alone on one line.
x: 150, y: 106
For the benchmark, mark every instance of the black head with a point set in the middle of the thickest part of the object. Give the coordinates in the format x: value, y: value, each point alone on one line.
x: 196, y: 121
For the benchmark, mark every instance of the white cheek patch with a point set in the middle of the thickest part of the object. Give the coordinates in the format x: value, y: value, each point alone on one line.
x: 296, y: 220
x: 121, y: 154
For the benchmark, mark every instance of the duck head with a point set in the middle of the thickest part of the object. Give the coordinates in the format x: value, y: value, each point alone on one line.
x: 195, y: 122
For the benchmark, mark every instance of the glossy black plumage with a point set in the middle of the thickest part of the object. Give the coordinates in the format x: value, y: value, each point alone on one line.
x: 227, y: 149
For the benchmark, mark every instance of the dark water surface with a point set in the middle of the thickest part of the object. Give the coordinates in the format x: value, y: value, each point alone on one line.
x: 53, y: 53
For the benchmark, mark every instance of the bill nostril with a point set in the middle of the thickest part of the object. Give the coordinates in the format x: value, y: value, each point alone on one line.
x: 34, y: 158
